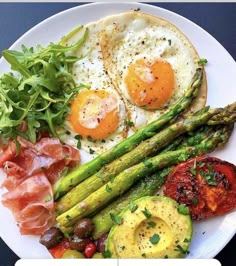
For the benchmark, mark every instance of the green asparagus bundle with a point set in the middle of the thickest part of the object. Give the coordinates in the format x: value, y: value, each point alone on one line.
x: 149, y: 185
x: 146, y: 148
x: 128, y: 177
x: 66, y: 183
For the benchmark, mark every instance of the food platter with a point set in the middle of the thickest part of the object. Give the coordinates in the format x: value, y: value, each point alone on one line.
x: 210, y: 236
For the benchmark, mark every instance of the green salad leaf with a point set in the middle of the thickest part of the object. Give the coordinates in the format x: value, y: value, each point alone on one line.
x: 41, y: 90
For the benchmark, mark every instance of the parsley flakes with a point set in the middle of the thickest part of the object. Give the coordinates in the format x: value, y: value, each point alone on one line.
x: 116, y: 219
x: 183, y: 209
x: 147, y: 213
x: 155, y: 239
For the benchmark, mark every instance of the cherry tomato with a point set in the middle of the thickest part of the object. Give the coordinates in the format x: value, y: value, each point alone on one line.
x: 207, y: 185
x: 90, y: 250
x: 58, y: 251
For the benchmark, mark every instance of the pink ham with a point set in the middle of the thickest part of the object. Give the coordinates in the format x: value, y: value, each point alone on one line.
x: 29, y: 178
x: 32, y: 204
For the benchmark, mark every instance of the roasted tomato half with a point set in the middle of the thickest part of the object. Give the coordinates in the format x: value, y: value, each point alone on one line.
x: 207, y: 185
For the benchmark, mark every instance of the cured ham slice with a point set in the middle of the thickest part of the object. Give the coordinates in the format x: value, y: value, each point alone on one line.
x: 48, y: 155
x: 30, y: 176
x: 32, y: 204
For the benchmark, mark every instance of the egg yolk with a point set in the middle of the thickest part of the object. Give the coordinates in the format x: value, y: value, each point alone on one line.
x: 94, y: 114
x: 150, y: 85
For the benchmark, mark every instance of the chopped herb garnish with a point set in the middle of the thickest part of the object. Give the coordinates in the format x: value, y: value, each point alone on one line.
x: 107, y: 254
x: 147, y: 213
x: 152, y: 224
x: 193, y: 171
x: 202, y: 62
x: 182, y: 250
x: 103, y: 141
x: 89, y: 138
x: 116, y: 219
x: 122, y: 247
x: 166, y: 257
x: 169, y: 41
x: 91, y: 151
x: 147, y: 163
x: 78, y: 138
x: 129, y: 123
x: 155, y: 239
x: 48, y: 198
x: 137, y: 9
x: 143, y: 255
x: 112, y: 178
x: 186, y: 240
x: 195, y: 201
x: 68, y: 217
x: 209, y: 176
x: 133, y: 206
x: 183, y: 209
x: 43, y: 168
x: 108, y: 189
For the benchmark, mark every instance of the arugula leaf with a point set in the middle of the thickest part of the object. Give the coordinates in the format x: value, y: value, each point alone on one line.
x: 41, y: 92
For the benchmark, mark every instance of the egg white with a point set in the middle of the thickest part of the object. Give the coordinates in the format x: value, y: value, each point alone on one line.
x: 131, y: 36
x: 90, y: 70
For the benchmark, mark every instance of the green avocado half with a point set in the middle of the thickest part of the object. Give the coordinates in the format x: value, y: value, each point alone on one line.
x: 156, y: 229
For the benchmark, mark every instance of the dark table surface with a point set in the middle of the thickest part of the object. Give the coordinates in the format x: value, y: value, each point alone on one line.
x: 219, y: 19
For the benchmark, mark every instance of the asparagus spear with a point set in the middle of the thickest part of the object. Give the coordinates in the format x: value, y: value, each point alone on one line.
x: 128, y: 177
x: 79, y: 174
x: 149, y: 185
x: 146, y: 148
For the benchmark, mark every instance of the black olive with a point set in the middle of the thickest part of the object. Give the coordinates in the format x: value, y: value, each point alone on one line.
x: 51, y: 237
x: 84, y: 228
x: 78, y: 244
x: 101, y: 245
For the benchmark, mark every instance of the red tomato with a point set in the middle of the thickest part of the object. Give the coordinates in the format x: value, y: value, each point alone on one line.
x: 59, y: 250
x: 207, y: 185
x: 90, y: 250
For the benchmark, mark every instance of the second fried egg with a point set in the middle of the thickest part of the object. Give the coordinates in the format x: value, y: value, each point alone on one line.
x: 150, y: 62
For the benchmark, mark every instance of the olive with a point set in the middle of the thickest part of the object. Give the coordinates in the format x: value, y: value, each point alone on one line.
x: 84, y: 228
x: 51, y: 237
x: 101, y: 245
x: 72, y: 254
x: 79, y: 244
x: 97, y: 255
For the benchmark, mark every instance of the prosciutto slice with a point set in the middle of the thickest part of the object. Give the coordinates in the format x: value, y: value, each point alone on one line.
x: 29, y: 180
x: 32, y: 204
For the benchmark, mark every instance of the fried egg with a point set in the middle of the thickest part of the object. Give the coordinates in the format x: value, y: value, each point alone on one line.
x: 150, y: 62
x: 136, y: 66
x: 97, y: 113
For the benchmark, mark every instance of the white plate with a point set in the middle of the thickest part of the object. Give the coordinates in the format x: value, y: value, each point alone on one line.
x: 209, y: 236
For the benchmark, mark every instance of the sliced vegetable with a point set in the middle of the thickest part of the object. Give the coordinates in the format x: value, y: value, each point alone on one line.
x: 208, y: 191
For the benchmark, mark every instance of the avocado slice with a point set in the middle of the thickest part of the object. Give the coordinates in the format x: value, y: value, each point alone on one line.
x: 156, y: 228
